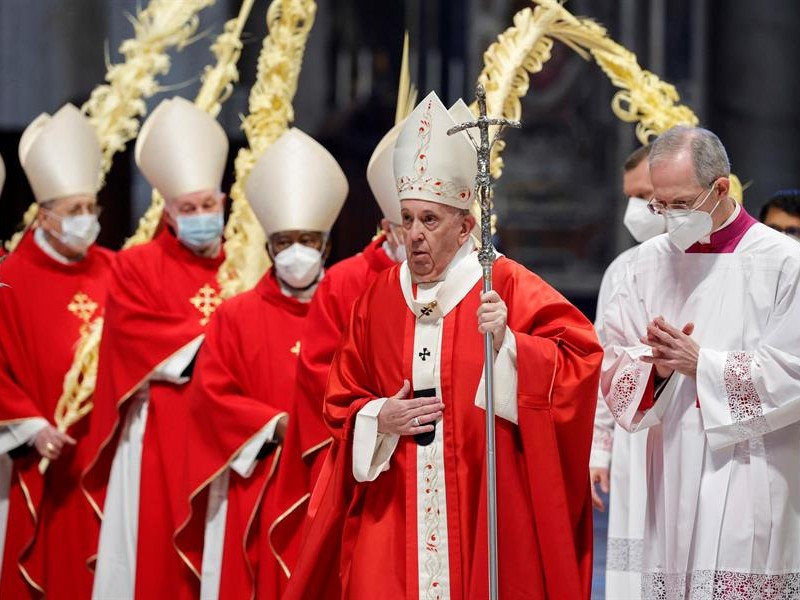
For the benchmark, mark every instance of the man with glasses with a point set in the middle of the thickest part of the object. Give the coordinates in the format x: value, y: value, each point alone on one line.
x: 54, y: 286
x: 161, y: 297
x: 702, y: 352
x: 782, y: 213
x: 245, y: 378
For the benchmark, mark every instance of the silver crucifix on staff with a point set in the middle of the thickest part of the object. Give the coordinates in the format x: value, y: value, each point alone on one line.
x: 483, y: 191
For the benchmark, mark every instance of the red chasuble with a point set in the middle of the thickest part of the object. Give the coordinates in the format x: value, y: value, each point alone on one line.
x: 307, y: 435
x: 244, y: 379
x: 379, y: 539
x: 44, y: 305
x: 161, y: 297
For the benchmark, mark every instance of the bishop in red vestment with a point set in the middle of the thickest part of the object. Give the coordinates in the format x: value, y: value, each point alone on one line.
x: 53, y: 287
x: 245, y: 377
x: 403, y: 514
x: 162, y: 296
x: 307, y: 439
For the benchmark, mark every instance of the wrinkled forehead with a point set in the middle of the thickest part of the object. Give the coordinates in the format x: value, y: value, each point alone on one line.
x: 67, y: 203
x: 673, y: 178
x: 414, y: 207
x: 200, y: 198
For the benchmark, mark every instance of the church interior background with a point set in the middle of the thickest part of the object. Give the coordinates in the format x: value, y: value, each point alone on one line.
x: 559, y: 203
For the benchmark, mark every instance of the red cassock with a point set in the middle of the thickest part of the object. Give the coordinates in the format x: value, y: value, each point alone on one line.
x: 162, y: 295
x: 308, y: 438
x: 244, y: 379
x: 44, y: 305
x: 366, y: 539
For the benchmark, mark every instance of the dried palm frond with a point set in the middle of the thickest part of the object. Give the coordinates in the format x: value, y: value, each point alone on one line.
x: 216, y: 88
x: 77, y: 394
x: 289, y: 23
x: 115, y: 107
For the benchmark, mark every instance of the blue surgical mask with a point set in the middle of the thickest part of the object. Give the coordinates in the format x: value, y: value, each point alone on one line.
x: 199, y: 232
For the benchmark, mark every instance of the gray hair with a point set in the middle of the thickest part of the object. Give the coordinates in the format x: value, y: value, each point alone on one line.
x: 709, y: 159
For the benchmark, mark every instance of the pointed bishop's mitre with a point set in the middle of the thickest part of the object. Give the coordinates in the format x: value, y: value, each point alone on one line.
x: 181, y: 149
x: 380, y: 175
x: 431, y: 165
x: 60, y: 155
x: 2, y: 174
x: 296, y: 185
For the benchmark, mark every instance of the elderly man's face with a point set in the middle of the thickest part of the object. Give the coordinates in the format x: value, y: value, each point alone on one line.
x: 676, y: 188
x: 433, y: 234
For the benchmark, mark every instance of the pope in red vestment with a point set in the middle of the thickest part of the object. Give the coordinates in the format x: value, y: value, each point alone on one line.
x: 245, y: 378
x: 162, y: 296
x: 52, y: 287
x: 403, y: 512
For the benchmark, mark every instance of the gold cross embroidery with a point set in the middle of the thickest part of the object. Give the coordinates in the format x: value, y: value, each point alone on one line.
x: 296, y: 348
x: 83, y: 307
x: 206, y: 301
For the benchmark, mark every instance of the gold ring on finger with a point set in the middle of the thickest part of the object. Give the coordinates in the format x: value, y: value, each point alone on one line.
x: 50, y: 447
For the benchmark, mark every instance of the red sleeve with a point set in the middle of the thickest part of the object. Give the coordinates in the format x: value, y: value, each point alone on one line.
x: 349, y: 386
x: 15, y: 404
x: 223, y: 415
x: 558, y: 364
x: 322, y: 333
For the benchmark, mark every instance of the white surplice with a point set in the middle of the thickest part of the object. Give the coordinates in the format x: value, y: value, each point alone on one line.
x: 723, y: 484
x: 624, y: 454
x: 115, y: 570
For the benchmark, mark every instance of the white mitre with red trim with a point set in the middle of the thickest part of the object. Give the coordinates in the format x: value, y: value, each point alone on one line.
x: 431, y: 165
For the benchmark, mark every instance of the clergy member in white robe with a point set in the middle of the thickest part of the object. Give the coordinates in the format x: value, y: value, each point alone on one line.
x: 617, y: 461
x: 703, y: 351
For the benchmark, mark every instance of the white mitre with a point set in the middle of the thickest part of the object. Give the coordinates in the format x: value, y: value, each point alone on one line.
x: 431, y: 165
x: 380, y: 176
x: 2, y: 174
x: 60, y: 155
x: 181, y: 149
x: 296, y: 185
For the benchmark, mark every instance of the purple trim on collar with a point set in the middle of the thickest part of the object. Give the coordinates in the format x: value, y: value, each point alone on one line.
x: 725, y: 240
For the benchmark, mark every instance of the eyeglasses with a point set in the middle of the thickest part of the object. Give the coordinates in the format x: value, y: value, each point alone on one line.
x: 657, y: 207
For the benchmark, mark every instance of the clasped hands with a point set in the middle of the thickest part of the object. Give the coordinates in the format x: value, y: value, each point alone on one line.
x: 673, y: 349
x: 401, y: 415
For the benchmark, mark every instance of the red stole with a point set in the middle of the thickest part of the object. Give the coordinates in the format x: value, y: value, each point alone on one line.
x: 361, y: 539
x: 161, y: 297
x: 43, y: 306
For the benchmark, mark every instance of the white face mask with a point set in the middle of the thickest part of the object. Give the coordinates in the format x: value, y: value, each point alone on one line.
x: 642, y: 223
x: 688, y: 226
x: 78, y: 232
x: 298, y: 266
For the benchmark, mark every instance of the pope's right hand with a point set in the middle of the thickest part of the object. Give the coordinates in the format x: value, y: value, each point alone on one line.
x: 401, y: 415
x: 49, y: 442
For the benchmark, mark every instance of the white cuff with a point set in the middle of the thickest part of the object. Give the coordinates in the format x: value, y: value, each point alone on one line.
x: 171, y: 369
x: 372, y: 451
x: 14, y: 435
x: 245, y: 461
x: 505, y: 381
x: 599, y: 459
